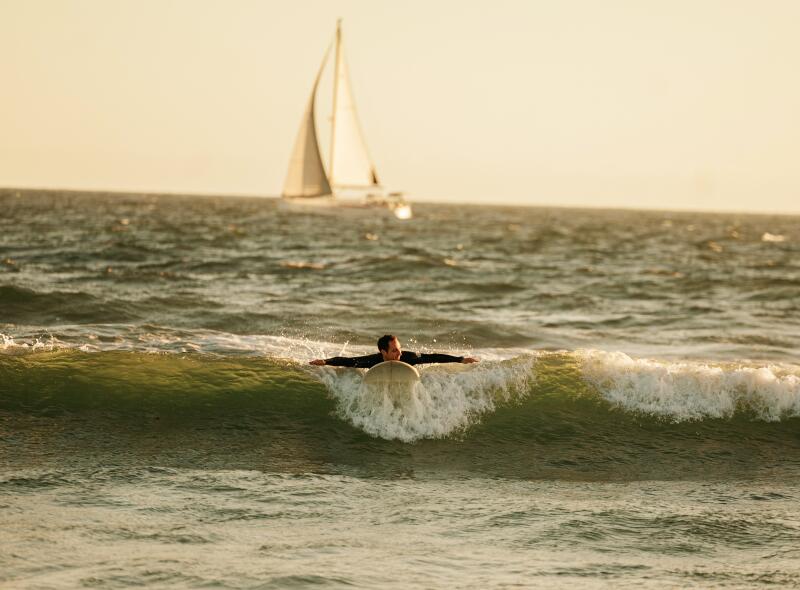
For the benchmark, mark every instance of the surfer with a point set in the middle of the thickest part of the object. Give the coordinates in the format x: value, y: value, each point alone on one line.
x: 389, y: 350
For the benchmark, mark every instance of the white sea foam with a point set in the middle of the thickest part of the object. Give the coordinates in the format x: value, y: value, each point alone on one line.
x: 11, y: 346
x: 155, y: 339
x: 448, y: 398
x: 691, y: 390
x: 768, y: 237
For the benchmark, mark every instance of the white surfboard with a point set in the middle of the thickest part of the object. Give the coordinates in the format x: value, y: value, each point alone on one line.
x: 396, y: 374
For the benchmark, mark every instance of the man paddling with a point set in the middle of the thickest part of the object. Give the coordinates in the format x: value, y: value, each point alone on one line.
x: 389, y: 350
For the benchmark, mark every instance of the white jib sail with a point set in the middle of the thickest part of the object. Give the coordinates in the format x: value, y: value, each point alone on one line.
x: 350, y: 162
x: 306, y: 175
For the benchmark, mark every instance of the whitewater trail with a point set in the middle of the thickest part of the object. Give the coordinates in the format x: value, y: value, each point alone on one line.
x: 448, y: 399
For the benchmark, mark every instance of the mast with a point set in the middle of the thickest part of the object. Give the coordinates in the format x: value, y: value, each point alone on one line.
x: 335, y: 93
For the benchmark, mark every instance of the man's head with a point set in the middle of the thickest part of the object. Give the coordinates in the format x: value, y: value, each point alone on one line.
x: 389, y: 347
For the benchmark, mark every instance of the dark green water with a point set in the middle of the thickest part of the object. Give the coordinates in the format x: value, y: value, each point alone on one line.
x: 634, y: 420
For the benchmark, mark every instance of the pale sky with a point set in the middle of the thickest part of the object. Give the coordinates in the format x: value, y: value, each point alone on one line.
x: 677, y: 104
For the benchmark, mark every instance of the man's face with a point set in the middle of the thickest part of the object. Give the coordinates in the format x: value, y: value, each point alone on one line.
x: 394, y: 352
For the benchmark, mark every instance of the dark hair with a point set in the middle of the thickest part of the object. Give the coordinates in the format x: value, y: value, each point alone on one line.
x: 383, y: 341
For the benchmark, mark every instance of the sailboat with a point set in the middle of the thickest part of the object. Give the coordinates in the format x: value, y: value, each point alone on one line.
x: 349, y: 180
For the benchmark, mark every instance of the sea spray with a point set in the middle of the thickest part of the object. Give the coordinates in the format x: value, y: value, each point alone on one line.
x: 9, y: 345
x: 681, y: 391
x: 447, y: 400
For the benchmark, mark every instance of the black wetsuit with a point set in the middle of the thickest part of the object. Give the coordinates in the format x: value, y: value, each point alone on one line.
x: 412, y: 358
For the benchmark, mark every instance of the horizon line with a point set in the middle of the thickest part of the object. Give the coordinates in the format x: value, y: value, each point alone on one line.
x: 434, y: 201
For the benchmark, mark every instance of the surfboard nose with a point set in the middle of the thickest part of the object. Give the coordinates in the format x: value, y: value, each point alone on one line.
x: 392, y: 372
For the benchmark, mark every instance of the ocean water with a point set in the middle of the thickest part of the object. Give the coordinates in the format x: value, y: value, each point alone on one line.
x: 634, y: 420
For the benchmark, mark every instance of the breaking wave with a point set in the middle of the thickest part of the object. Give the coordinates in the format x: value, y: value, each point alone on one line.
x: 535, y: 394
x: 681, y: 391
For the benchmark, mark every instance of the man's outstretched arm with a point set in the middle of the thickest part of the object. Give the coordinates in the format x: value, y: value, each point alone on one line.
x: 422, y: 359
x: 337, y: 361
x: 343, y: 361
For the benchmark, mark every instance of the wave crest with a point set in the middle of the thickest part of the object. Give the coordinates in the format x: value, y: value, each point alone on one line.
x: 682, y: 391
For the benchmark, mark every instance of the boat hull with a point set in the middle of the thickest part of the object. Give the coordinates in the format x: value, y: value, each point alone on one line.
x: 369, y: 204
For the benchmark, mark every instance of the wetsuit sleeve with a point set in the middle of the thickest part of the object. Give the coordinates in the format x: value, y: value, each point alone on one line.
x: 340, y: 361
x: 415, y: 358
x: 360, y: 362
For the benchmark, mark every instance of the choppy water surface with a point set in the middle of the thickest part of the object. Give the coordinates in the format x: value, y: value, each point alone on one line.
x: 634, y: 420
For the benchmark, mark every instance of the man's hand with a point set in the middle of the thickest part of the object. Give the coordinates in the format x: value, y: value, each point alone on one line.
x: 317, y: 362
x: 469, y: 359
